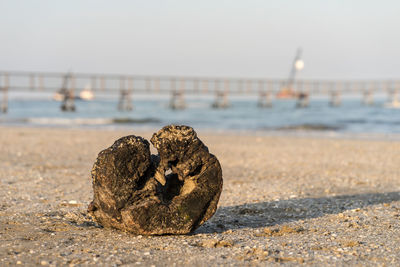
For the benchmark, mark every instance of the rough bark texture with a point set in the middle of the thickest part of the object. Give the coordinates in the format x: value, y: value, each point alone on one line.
x: 173, y: 192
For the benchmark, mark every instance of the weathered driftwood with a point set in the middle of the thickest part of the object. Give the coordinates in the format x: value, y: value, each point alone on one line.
x: 173, y: 192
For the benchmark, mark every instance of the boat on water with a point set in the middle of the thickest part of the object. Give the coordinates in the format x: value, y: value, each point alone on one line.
x: 58, y: 96
x: 86, y: 94
x: 393, y: 104
x: 286, y: 93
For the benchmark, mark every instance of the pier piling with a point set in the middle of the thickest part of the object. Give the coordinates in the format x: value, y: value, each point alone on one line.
x: 303, y: 100
x: 102, y: 83
x: 125, y: 100
x: 393, y: 99
x: 93, y: 83
x: 41, y: 83
x: 204, y: 86
x: 32, y: 82
x: 125, y: 96
x: 177, y: 100
x: 196, y: 86
x: 264, y: 100
x: 148, y: 85
x: 240, y: 86
x: 368, y: 99
x: 335, y: 99
x: 4, y: 88
x: 68, y: 98
x: 157, y: 85
x: 221, y: 100
x: 249, y: 86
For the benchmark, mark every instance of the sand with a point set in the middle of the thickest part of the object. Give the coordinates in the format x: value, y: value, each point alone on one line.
x: 286, y: 200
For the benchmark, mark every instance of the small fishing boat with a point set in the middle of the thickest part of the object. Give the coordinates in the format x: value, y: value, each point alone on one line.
x: 58, y: 96
x: 394, y: 104
x: 86, y: 94
x: 285, y: 93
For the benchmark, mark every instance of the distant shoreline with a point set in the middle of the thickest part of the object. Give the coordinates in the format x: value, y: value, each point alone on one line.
x: 146, y: 128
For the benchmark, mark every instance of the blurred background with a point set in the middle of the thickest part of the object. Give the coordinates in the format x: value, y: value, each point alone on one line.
x: 228, y: 65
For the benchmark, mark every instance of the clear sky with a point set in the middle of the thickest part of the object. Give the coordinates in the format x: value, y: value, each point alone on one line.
x: 247, y: 38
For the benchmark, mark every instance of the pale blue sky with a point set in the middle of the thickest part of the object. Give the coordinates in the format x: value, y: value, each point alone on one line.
x: 248, y: 38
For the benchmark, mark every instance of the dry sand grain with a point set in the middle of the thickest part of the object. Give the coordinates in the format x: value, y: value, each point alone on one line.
x: 286, y: 200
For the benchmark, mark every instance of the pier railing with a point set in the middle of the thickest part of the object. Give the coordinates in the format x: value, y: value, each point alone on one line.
x: 70, y: 85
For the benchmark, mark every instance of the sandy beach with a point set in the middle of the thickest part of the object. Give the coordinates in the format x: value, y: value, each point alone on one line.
x: 285, y: 200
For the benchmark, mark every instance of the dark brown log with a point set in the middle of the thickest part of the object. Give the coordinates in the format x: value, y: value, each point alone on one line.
x: 173, y: 192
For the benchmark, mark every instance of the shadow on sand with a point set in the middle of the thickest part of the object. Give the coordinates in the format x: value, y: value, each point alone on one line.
x: 256, y: 215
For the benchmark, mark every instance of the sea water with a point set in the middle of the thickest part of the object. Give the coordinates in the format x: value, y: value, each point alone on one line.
x: 243, y: 114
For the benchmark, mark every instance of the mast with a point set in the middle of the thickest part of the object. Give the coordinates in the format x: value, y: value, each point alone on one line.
x: 297, y: 65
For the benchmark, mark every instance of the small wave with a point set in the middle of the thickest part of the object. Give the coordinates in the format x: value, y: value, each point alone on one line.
x: 88, y: 121
x: 310, y: 127
x: 383, y: 122
x: 356, y: 121
x: 365, y: 121
x: 68, y: 121
x: 131, y: 120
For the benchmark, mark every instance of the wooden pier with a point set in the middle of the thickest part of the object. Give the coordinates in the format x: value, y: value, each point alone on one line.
x: 70, y: 86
